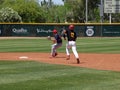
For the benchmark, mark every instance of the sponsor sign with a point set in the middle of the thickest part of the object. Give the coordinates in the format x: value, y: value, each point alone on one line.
x: 20, y: 31
x: 111, y: 6
x: 90, y: 31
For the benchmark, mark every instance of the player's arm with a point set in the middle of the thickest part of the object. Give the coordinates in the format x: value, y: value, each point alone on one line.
x: 51, y: 39
x: 64, y: 34
x: 75, y: 36
x: 54, y: 41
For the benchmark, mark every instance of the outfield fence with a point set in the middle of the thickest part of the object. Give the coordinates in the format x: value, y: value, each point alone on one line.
x: 45, y: 29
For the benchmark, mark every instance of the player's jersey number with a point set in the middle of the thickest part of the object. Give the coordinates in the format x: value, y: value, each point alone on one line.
x: 72, y: 35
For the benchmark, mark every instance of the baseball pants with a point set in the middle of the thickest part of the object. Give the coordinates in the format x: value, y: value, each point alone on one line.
x: 71, y: 44
x: 54, y: 48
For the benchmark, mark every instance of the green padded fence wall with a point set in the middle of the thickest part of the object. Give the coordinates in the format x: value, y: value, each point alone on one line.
x: 111, y: 30
x: 43, y: 29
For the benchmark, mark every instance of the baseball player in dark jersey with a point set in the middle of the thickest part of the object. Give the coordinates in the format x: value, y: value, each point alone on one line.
x: 57, y: 43
x: 71, y: 37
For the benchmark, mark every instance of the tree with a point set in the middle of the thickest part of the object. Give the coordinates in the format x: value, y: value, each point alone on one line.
x: 78, y: 9
x: 53, y: 13
x: 9, y: 15
x: 1, y: 1
x: 92, y: 9
x: 47, y: 11
x: 29, y: 10
x: 75, y: 10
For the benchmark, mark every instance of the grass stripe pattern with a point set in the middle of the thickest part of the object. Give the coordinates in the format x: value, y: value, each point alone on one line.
x: 24, y: 75
x: 84, y: 45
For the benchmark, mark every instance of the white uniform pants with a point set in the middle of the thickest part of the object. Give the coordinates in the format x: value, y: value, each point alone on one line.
x: 71, y: 44
x: 54, y: 48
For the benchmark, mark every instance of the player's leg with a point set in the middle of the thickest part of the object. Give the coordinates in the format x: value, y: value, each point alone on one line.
x: 54, y: 49
x: 75, y: 51
x: 67, y: 50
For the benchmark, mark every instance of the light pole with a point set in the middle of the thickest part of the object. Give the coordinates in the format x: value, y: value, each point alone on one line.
x: 101, y: 16
x: 86, y: 11
x: 101, y: 11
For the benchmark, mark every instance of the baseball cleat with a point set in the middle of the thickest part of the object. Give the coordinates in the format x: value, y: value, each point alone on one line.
x: 53, y: 55
x: 68, y: 57
x: 78, y: 61
x: 56, y: 54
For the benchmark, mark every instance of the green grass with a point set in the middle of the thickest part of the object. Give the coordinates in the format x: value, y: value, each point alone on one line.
x: 24, y: 45
x: 99, y: 45
x: 30, y: 75
x: 23, y: 75
x: 84, y: 45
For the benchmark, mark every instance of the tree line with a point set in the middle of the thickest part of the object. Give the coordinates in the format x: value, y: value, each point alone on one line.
x: 37, y: 11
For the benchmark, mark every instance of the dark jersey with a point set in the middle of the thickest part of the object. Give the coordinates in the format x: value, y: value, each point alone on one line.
x: 58, y: 38
x: 71, y: 35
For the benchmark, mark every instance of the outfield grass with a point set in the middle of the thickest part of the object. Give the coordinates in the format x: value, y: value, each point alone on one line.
x: 99, y: 45
x: 84, y: 45
x: 30, y: 75
x: 23, y: 75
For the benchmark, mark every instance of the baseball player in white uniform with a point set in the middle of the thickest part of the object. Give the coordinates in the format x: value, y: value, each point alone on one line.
x: 71, y: 37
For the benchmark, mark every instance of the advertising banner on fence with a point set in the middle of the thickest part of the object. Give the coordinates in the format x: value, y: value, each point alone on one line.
x: 43, y: 30
x: 111, y: 30
x: 20, y: 30
x: 89, y: 31
x: 0, y: 30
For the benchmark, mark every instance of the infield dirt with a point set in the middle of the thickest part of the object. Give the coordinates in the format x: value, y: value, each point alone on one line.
x: 94, y: 61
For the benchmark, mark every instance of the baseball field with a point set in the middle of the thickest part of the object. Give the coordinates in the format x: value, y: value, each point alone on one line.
x: 26, y: 64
